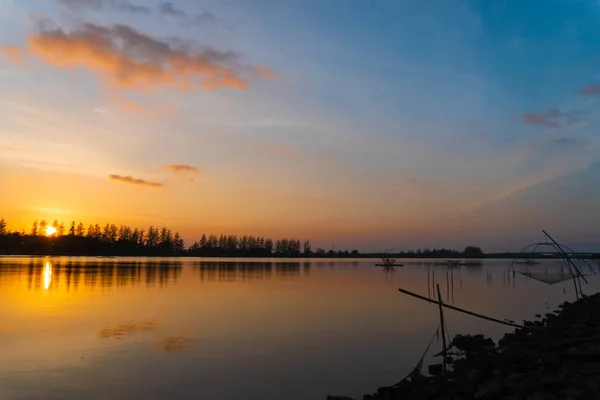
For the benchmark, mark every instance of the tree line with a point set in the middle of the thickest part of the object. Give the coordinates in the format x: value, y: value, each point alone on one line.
x: 110, y: 239
x: 76, y: 239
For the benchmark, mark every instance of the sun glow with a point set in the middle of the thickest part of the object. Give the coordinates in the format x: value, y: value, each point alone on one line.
x: 47, y: 275
x: 50, y: 230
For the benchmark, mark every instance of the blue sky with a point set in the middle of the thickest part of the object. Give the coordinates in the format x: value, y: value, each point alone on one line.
x: 381, y: 124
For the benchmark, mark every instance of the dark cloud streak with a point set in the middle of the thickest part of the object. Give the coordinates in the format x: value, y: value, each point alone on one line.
x: 551, y: 119
x: 81, y: 5
x: 168, y: 9
x: 134, y: 181
x: 568, y: 142
x: 590, y: 90
x: 181, y: 168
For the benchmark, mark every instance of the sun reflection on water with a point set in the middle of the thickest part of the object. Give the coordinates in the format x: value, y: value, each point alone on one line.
x: 47, y: 275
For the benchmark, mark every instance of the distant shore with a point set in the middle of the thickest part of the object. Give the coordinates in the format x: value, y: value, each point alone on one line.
x: 555, y: 357
x: 401, y: 256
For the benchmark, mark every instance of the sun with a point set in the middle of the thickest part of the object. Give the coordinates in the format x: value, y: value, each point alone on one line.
x: 50, y: 230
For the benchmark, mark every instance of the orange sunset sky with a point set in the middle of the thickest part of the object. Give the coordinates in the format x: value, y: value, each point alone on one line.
x: 365, y: 126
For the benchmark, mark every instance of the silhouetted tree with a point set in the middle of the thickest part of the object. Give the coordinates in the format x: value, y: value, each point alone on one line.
x: 307, y: 248
x: 80, y: 230
x: 61, y: 229
x: 152, y: 237
x: 43, y: 226
x: 72, y: 229
x: 56, y: 226
x: 35, y: 228
x: 178, y: 245
x: 3, y: 230
x: 473, y: 252
x: 213, y: 242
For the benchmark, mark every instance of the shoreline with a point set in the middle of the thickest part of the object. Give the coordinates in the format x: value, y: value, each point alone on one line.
x: 554, y: 357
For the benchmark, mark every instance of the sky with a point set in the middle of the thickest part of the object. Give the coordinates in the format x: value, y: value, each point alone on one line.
x: 366, y: 124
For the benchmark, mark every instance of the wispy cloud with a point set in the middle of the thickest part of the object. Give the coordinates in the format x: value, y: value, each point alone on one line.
x: 177, y: 168
x: 168, y: 9
x: 84, y: 4
x: 266, y: 71
x: 81, y: 5
x: 129, y: 59
x: 590, y: 90
x: 134, y: 181
x: 14, y: 54
x: 151, y: 111
x: 134, y: 8
x: 569, y: 142
x: 551, y: 119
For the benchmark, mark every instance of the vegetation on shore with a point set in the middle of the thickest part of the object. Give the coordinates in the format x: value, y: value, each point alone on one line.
x: 56, y: 238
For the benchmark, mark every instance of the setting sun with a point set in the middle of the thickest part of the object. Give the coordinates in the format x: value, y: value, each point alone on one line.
x: 50, y: 230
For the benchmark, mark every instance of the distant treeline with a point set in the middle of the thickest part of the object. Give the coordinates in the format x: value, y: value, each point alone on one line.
x: 110, y: 239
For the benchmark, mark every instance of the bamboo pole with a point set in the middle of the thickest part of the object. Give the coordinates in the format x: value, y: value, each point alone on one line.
x: 567, y: 257
x: 474, y: 314
x: 442, y: 324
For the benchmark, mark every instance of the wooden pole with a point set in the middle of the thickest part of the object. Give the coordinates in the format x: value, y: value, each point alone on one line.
x: 571, y: 266
x: 566, y: 256
x: 418, y: 296
x: 440, y: 305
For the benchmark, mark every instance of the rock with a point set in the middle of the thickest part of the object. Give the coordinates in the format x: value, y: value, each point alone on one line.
x: 473, y: 375
x: 385, y: 393
x: 550, y: 360
x: 491, y: 390
x: 590, y: 369
x: 572, y: 393
x: 436, y: 369
x: 540, y: 396
x: 592, y: 386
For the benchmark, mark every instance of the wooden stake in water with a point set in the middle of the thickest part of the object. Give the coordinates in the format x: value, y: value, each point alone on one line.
x: 440, y: 304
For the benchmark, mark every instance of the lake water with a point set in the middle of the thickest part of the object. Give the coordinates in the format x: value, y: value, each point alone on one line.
x: 136, y: 328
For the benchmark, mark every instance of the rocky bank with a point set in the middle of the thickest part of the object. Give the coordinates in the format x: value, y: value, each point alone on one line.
x: 555, y: 357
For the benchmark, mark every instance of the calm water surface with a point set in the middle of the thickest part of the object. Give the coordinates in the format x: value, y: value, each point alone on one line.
x: 135, y: 328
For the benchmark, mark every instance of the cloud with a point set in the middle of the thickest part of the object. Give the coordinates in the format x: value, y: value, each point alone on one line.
x: 134, y: 181
x: 551, y: 119
x: 181, y: 168
x: 568, y: 142
x: 151, y: 111
x: 14, y: 54
x: 81, y: 5
x: 134, y: 8
x: 128, y: 59
x: 266, y: 71
x: 590, y: 90
x: 168, y: 9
